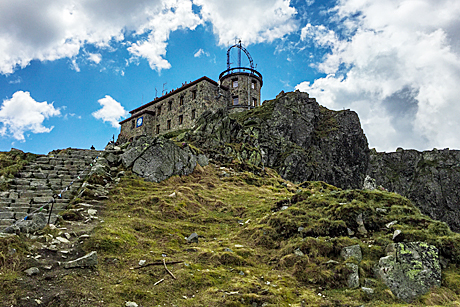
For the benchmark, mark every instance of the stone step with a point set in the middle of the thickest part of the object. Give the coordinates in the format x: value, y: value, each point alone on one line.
x: 5, y: 202
x: 6, y: 222
x: 42, y: 199
x: 6, y: 215
x: 20, y: 202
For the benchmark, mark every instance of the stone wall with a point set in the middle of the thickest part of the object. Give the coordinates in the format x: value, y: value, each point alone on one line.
x: 176, y: 110
x: 245, y: 87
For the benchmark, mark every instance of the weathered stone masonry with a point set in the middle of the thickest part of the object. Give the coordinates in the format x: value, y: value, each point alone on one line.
x: 238, y: 89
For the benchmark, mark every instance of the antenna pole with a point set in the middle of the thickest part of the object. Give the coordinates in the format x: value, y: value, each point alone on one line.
x: 239, y: 54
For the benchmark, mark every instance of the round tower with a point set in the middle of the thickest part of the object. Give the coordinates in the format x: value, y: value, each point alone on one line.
x: 244, y: 83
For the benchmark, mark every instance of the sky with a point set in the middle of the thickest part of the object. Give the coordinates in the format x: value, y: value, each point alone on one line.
x: 70, y: 70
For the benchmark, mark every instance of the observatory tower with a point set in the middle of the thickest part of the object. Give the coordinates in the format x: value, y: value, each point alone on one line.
x: 244, y: 83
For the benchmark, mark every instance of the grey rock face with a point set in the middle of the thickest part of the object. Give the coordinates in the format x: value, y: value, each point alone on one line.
x: 430, y: 179
x: 353, y: 278
x: 292, y: 134
x: 410, y: 269
x: 353, y: 251
x: 88, y: 260
x: 157, y: 159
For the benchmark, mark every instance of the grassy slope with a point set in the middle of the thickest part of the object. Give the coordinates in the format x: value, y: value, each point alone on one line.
x: 143, y: 221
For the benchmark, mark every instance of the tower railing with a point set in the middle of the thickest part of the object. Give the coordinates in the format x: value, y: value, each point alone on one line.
x: 241, y: 70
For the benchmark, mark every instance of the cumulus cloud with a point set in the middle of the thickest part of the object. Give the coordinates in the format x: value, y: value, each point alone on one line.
x: 250, y: 21
x: 49, y: 30
x: 112, y: 111
x: 22, y: 113
x: 174, y: 14
x: 397, y: 63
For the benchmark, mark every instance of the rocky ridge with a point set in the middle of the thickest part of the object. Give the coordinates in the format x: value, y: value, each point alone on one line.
x: 292, y: 134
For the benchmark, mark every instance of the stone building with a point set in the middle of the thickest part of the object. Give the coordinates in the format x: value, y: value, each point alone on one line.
x: 238, y: 89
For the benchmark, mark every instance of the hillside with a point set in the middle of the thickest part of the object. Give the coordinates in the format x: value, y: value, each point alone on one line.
x: 262, y: 241
x: 260, y: 208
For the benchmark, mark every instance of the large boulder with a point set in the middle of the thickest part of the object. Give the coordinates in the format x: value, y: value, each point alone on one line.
x: 410, y: 269
x: 157, y: 159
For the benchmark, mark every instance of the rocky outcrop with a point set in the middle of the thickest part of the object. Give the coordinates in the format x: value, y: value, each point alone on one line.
x: 292, y: 134
x: 157, y: 159
x: 430, y: 179
x: 410, y: 269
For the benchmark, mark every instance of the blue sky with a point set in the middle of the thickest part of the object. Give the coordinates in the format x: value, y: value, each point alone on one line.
x: 71, y: 69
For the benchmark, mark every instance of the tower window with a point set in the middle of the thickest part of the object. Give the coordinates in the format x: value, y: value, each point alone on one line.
x: 168, y: 124
x: 158, y: 129
x: 253, y: 84
x: 235, y: 83
x: 235, y: 101
x: 193, y: 114
x: 194, y: 94
x: 181, y: 101
x: 181, y: 119
x: 159, y: 110
x: 254, y: 102
x: 170, y: 105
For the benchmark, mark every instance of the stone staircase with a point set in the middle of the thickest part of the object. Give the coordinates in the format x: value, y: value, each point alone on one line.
x: 35, y: 185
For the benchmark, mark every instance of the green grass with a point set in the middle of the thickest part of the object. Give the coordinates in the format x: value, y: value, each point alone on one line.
x: 11, y: 162
x: 246, y: 250
x: 249, y: 243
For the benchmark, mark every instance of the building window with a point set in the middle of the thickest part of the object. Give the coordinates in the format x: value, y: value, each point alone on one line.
x: 253, y: 84
x: 181, y: 119
x: 235, y: 83
x: 170, y: 105
x: 133, y: 124
x: 168, y: 124
x: 159, y: 110
x: 181, y: 101
x: 235, y: 101
x: 194, y: 94
x: 158, y: 129
x: 193, y: 114
x: 254, y: 102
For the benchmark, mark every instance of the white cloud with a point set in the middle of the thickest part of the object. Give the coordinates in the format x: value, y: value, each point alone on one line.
x: 49, y: 30
x: 95, y: 57
x: 54, y: 29
x: 22, y: 113
x: 200, y: 53
x: 112, y: 111
x: 398, y: 67
x: 174, y: 14
x: 250, y: 21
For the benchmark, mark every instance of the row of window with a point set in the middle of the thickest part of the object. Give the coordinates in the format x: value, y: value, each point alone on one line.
x: 236, y: 101
x: 181, y: 121
x: 235, y: 84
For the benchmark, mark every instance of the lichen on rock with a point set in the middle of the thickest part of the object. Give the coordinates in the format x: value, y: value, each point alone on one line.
x: 410, y: 269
